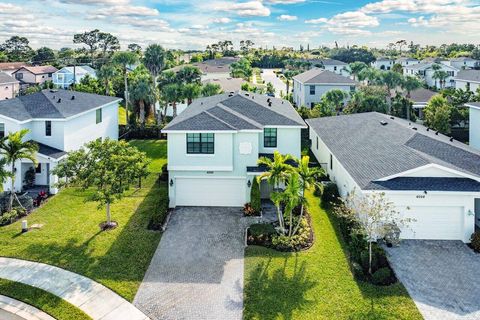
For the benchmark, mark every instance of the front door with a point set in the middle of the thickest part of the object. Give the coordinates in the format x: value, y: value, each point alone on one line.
x: 265, y: 189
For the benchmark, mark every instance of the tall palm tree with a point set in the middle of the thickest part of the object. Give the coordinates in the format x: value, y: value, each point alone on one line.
x: 189, y: 74
x: 172, y: 93
x: 154, y: 60
x: 13, y: 149
x: 370, y: 74
x: 125, y: 59
x: 391, y: 80
x: 106, y: 73
x: 143, y: 91
x: 210, y: 89
x: 410, y: 84
x: 191, y: 91
x: 441, y: 75
x: 355, y: 68
x: 277, y: 172
x: 308, y: 179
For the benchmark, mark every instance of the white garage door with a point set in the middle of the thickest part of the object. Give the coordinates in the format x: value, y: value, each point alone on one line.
x: 210, y: 192
x: 435, y: 223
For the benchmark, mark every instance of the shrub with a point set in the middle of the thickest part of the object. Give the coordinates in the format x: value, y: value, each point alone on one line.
x: 379, y: 259
x: 25, y: 200
x: 300, y: 240
x: 256, y: 202
x: 383, y: 277
x: 260, y: 233
x: 475, y: 241
x: 10, y: 216
x: 160, y: 212
x: 330, y: 194
x: 248, y: 210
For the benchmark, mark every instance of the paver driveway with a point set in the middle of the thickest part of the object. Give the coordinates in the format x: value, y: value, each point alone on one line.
x: 197, y: 270
x: 442, y: 277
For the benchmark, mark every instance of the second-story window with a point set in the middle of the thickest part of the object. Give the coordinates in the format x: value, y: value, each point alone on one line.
x: 19, y: 76
x: 98, y: 115
x: 2, y: 130
x: 200, y: 143
x: 312, y: 90
x: 270, y: 137
x: 48, y: 128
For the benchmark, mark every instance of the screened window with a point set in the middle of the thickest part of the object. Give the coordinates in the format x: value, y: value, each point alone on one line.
x: 200, y: 143
x: 2, y: 130
x: 98, y: 115
x: 270, y: 137
x: 312, y: 90
x: 48, y: 128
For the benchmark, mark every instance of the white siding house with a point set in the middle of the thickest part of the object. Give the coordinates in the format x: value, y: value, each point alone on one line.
x: 474, y: 117
x: 425, y: 175
x: 383, y: 63
x: 426, y: 71
x: 468, y: 80
x: 310, y: 86
x: 58, y: 121
x: 405, y: 61
x: 214, y: 146
x: 463, y: 63
x: 65, y: 77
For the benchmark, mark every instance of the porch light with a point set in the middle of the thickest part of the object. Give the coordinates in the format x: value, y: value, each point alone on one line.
x: 171, y: 182
x: 249, y: 183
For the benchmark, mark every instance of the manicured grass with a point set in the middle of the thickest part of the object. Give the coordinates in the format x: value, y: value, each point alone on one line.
x: 317, y: 283
x: 71, y: 238
x: 47, y: 302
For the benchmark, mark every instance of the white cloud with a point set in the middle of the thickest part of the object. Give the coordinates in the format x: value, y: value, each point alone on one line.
x: 317, y: 21
x: 100, y: 2
x: 128, y: 10
x: 250, y: 8
x: 8, y: 8
x: 285, y: 1
x: 286, y: 17
x: 222, y: 20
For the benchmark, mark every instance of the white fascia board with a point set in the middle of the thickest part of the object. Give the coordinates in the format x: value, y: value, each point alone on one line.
x: 287, y: 127
x: 331, y: 83
x: 198, y: 131
x: 415, y: 192
x: 199, y: 168
x: 431, y: 165
x: 463, y: 80
x: 472, y: 106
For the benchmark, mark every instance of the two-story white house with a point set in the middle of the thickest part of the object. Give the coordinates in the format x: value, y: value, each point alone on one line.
x: 66, y: 76
x: 426, y: 72
x: 468, y: 80
x: 336, y: 66
x: 58, y: 121
x: 463, y: 63
x: 428, y: 177
x: 474, y: 124
x: 310, y: 86
x: 214, y: 146
x: 383, y: 63
x: 406, y: 61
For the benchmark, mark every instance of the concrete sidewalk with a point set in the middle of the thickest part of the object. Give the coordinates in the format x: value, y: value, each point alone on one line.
x: 12, y: 309
x: 94, y: 299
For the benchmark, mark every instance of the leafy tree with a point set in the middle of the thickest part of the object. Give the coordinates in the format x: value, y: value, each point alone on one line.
x: 106, y: 73
x: 44, y: 55
x: 367, y: 99
x: 210, y: 89
x: 17, y: 49
x: 241, y: 69
x: 143, y: 91
x: 410, y: 84
x: 438, y: 114
x: 66, y: 53
x: 355, y: 68
x: 125, y: 59
x: 90, y: 85
x: 108, y: 43
x: 335, y: 98
x: 3, y: 57
x: 402, y: 107
x: 13, y: 148
x: 135, y: 48
x: 270, y: 88
x: 191, y: 91
x: 397, y: 67
x: 371, y: 75
x: 91, y: 39
x: 107, y: 167
x: 189, y: 74
x: 172, y: 93
x: 353, y: 54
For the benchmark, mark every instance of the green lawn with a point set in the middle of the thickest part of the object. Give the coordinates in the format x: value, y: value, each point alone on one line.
x: 71, y: 237
x: 317, y: 283
x: 47, y: 302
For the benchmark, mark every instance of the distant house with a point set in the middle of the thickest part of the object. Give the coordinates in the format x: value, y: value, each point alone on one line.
x: 332, y: 65
x: 213, y: 68
x: 59, y: 121
x: 420, y: 98
x: 426, y: 72
x: 9, y: 87
x: 474, y: 120
x: 310, y: 86
x: 468, y: 80
x: 227, y: 84
x: 383, y: 63
x: 11, y: 67
x: 34, y: 75
x: 463, y: 63
x: 406, y: 61
x: 64, y: 77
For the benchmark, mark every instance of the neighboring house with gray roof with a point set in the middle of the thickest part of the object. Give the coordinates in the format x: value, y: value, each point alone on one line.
x: 383, y: 63
x: 59, y: 121
x: 468, y: 80
x: 29, y: 76
x: 426, y: 72
x: 406, y: 61
x: 66, y: 76
x: 474, y: 124
x: 214, y: 146
x: 463, y: 63
x: 428, y: 176
x: 336, y: 66
x: 9, y: 87
x: 310, y: 86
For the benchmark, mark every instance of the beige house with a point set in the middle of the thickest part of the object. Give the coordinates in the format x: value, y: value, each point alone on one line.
x: 9, y: 87
x: 34, y: 75
x: 11, y: 67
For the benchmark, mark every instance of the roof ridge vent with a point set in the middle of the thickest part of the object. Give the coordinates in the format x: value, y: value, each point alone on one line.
x: 59, y: 100
x: 383, y: 123
x: 73, y: 97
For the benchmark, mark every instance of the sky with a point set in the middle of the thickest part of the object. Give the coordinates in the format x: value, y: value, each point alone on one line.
x: 193, y: 24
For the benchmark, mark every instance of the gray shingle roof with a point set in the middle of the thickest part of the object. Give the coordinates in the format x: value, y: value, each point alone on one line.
x: 426, y: 184
x: 327, y: 62
x: 468, y: 75
x: 49, y: 151
x: 5, y: 78
x: 236, y: 111
x: 421, y: 95
x: 317, y: 76
x: 45, y: 105
x: 370, y: 151
x: 406, y: 59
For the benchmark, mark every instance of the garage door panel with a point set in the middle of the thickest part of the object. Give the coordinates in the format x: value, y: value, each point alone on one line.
x: 210, y: 192
x: 434, y: 223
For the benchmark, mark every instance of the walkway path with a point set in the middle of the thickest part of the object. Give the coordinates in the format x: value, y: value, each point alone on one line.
x: 94, y: 299
x: 269, y: 76
x: 11, y: 309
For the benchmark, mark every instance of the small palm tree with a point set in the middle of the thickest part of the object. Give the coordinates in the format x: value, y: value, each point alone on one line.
x: 211, y: 89
x: 13, y: 149
x: 154, y: 59
x: 125, y: 59
x: 441, y: 75
x: 292, y: 198
x: 277, y: 172
x: 143, y: 91
x: 410, y: 84
x: 355, y: 68
x: 106, y: 73
x: 191, y: 91
x: 172, y: 93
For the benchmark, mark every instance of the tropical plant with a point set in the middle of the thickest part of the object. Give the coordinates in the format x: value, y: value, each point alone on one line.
x: 441, y: 76
x: 335, y: 98
x: 241, y: 69
x: 13, y: 148
x: 172, y: 93
x: 371, y: 75
x: 108, y: 167
x: 125, y: 59
x: 143, y: 91
x: 289, y: 198
x: 106, y: 73
x: 270, y: 88
x: 210, y: 89
x: 438, y: 114
x: 410, y: 84
x: 355, y: 68
x: 191, y: 91
x: 189, y: 74
x: 154, y: 60
x: 391, y: 80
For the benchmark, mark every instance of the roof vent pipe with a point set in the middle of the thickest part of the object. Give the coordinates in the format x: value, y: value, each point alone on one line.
x: 451, y: 139
x: 73, y: 97
x: 383, y: 123
x: 59, y: 100
x: 269, y: 104
x: 436, y: 133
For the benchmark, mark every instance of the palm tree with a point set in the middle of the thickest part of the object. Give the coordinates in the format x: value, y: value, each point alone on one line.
x: 106, y: 73
x: 308, y: 178
x: 291, y: 197
x: 277, y: 172
x: 154, y: 60
x: 13, y: 149
x: 409, y: 84
x: 172, y: 93
x: 289, y: 74
x: 143, y: 91
x: 391, y: 80
x: 211, y: 89
x: 355, y: 68
x: 189, y: 74
x: 441, y: 75
x: 125, y: 59
x: 370, y: 74
x: 191, y: 91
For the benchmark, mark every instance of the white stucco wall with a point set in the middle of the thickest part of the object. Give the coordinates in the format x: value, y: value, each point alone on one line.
x: 462, y: 84
x: 302, y: 96
x: 475, y: 128
x: 9, y: 90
